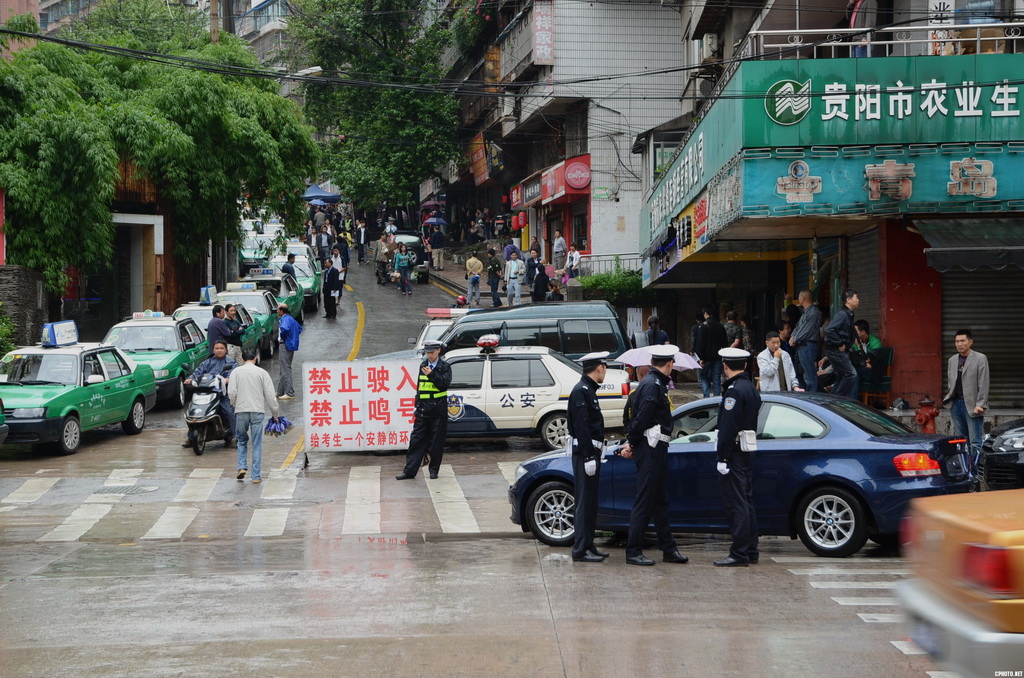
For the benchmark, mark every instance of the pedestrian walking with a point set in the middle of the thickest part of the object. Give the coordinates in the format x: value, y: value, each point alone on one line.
x: 514, y: 271
x: 586, y: 441
x: 251, y: 391
x: 332, y: 290
x: 806, y: 340
x: 474, y: 269
x: 558, y: 251
x: 288, y: 331
x: 403, y: 264
x: 431, y: 425
x: 381, y: 257
x: 494, y: 271
x: 711, y: 338
x: 839, y: 337
x: 737, y: 435
x: 655, y: 335
x: 967, y: 374
x: 437, y: 248
x: 361, y: 240
x: 647, y: 443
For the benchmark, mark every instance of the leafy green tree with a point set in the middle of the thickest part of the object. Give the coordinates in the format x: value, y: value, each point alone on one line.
x: 396, y: 126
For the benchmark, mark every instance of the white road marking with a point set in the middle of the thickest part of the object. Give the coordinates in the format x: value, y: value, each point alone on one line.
x: 450, y: 503
x: 817, y: 559
x: 811, y: 571
x: 362, y: 501
x: 173, y: 523
x: 78, y: 523
x: 268, y: 522
x: 880, y: 618
x: 508, y: 469
x: 123, y: 476
x: 864, y: 601
x: 908, y: 647
x: 30, y: 491
x: 199, y: 486
x: 853, y: 584
x: 280, y: 484
x: 4, y: 509
x: 943, y: 674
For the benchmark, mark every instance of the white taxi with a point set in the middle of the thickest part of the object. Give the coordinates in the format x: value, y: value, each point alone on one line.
x: 522, y: 390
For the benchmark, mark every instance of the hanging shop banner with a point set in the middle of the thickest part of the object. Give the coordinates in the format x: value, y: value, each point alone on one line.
x: 478, y: 159
x: 544, y: 32
x: 359, y: 404
x: 515, y: 196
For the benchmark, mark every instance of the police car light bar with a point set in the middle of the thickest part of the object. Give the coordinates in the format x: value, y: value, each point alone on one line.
x: 488, y: 341
x: 148, y: 314
x: 449, y: 312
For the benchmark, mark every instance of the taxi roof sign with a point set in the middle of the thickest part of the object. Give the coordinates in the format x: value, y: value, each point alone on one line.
x: 207, y: 295
x: 261, y: 271
x: 63, y: 333
x: 148, y: 314
x: 241, y: 286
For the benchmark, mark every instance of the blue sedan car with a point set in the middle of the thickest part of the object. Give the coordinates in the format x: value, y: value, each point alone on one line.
x: 828, y: 470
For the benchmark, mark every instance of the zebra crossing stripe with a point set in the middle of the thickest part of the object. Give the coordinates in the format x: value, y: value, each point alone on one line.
x: 173, y: 523
x: 864, y: 601
x: 78, y: 523
x: 123, y: 476
x: 817, y: 559
x: 362, y: 501
x: 280, y: 484
x: 880, y: 618
x: 812, y: 571
x: 30, y: 491
x: 908, y: 647
x: 853, y: 584
x: 450, y: 503
x: 508, y: 469
x: 268, y: 522
x: 199, y: 485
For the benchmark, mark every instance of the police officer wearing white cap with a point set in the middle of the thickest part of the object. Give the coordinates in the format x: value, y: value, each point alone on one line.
x: 586, y: 443
x: 431, y: 426
x: 737, y: 426
x: 648, y: 443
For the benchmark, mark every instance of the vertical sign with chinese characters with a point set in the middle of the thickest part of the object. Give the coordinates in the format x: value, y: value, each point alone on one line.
x: 544, y: 32
x: 359, y: 405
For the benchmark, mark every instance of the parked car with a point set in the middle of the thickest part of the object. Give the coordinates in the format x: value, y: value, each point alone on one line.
x: 201, y: 313
x: 284, y: 288
x: 263, y: 307
x: 308, y: 274
x: 51, y: 393
x: 966, y: 605
x: 254, y: 250
x: 522, y: 390
x: 829, y: 470
x: 413, y: 241
x: 1002, y: 457
x: 173, y: 347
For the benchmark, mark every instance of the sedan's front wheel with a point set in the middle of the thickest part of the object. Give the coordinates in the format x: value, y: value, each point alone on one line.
x: 832, y: 522
x: 70, y: 435
x: 550, y: 511
x: 555, y: 430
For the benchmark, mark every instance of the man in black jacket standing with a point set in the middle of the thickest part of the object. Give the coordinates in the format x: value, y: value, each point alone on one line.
x: 431, y: 427
x: 805, y: 340
x: 738, y: 413
x: 839, y: 337
x: 332, y: 289
x: 648, y: 441
x: 711, y: 338
x: 586, y: 443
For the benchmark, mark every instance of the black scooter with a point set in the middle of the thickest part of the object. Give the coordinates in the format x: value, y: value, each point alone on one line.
x: 204, y: 416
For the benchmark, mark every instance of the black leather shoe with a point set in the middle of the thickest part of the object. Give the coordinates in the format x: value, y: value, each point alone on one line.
x: 639, y: 560
x: 601, y: 554
x: 675, y: 557
x: 433, y: 476
x: 754, y: 560
x: 588, y: 558
x: 187, y: 443
x: 404, y: 476
x: 730, y: 562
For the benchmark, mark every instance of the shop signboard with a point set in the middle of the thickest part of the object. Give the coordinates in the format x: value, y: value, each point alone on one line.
x: 569, y: 177
x: 515, y: 197
x: 552, y: 183
x: 478, y: 159
x: 544, y: 32
x: 531, y: 191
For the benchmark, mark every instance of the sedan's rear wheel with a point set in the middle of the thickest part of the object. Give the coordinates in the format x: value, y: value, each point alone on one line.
x: 136, y: 420
x: 832, y: 523
x: 550, y: 511
x: 179, y: 397
x: 555, y: 430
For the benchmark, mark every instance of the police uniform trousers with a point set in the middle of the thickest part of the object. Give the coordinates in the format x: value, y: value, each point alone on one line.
x: 738, y: 495
x: 651, y: 499
x: 428, y: 434
x: 585, y: 518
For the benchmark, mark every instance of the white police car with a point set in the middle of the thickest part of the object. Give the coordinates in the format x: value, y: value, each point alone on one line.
x: 522, y: 390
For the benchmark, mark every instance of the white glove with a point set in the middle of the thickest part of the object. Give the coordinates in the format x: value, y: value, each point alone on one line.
x: 590, y: 467
x: 723, y: 468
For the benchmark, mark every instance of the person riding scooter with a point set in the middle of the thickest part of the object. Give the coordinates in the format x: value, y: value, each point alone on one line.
x: 220, y: 364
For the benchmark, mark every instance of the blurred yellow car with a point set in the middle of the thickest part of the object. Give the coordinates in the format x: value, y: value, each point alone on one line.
x: 966, y: 606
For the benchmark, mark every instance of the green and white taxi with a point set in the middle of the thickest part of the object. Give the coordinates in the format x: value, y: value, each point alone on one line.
x: 255, y: 249
x: 201, y: 312
x: 283, y: 286
x: 308, y: 274
x: 54, y: 391
x: 263, y: 307
x: 498, y: 391
x: 173, y: 347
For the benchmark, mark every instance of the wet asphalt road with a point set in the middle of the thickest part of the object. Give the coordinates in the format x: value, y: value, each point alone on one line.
x: 134, y: 558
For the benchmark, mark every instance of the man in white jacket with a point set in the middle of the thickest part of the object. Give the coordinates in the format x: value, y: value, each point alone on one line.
x: 251, y: 391
x: 776, y: 367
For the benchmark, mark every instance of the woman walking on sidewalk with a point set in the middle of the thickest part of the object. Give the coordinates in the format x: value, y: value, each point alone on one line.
x: 403, y: 264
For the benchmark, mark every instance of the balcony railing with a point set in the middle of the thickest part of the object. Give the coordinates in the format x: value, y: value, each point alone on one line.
x: 591, y: 264
x: 255, y: 20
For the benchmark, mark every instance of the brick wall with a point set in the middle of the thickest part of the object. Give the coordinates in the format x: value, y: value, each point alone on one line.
x: 24, y: 301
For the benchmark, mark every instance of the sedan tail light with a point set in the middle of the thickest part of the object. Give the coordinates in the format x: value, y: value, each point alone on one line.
x: 625, y: 390
x: 913, y: 464
x: 988, y: 568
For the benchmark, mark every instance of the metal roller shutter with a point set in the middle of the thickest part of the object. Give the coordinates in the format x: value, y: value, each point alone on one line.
x: 862, y: 275
x: 988, y: 303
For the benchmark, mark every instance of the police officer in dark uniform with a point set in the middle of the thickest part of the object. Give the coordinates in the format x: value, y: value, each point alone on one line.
x: 648, y: 443
x: 431, y: 427
x: 586, y: 440
x: 738, y: 414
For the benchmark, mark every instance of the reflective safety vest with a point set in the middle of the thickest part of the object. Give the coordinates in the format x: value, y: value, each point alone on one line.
x: 427, y: 390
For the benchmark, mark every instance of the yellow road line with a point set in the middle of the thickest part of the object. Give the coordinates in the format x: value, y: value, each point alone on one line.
x: 359, y: 332
x: 295, y: 451
x: 442, y: 287
x: 348, y: 287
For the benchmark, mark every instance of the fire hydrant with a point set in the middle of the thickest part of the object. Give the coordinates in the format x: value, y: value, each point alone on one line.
x: 925, y: 414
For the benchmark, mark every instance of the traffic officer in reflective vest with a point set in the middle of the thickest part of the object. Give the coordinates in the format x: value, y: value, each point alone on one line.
x: 648, y: 443
x: 431, y: 427
x: 586, y: 443
x: 737, y: 429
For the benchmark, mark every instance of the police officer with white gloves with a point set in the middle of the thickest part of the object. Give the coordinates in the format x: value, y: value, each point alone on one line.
x: 737, y: 427
x: 648, y: 443
x: 586, y: 443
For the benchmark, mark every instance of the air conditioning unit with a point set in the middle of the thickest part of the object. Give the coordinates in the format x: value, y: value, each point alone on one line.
x: 709, y: 46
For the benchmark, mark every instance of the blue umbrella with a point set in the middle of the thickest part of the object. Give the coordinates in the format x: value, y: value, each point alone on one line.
x: 438, y: 221
x: 317, y: 201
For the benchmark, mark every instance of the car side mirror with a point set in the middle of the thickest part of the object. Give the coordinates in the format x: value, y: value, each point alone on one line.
x: 94, y: 379
x: 412, y: 340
